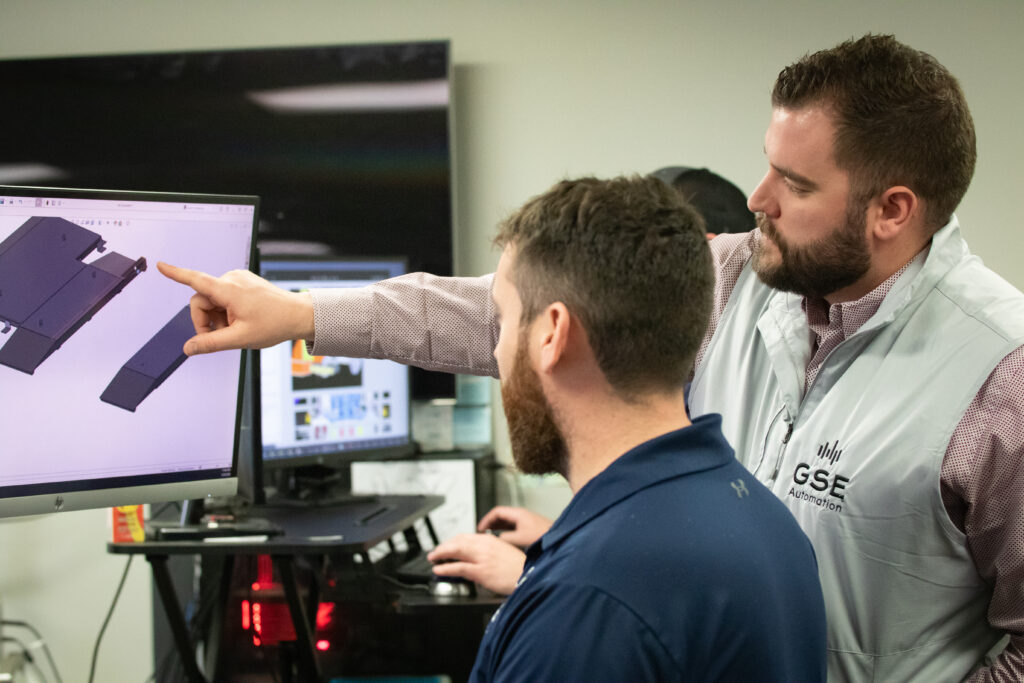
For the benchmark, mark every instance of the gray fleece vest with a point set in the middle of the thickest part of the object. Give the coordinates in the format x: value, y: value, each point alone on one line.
x: 857, y: 457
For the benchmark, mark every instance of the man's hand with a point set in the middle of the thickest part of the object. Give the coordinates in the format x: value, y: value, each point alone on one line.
x: 481, y: 558
x: 518, y: 526
x: 241, y: 310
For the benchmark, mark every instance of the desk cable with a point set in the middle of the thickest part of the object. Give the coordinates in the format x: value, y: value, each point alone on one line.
x: 110, y: 612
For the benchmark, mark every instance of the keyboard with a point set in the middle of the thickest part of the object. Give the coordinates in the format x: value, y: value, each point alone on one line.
x: 417, y: 570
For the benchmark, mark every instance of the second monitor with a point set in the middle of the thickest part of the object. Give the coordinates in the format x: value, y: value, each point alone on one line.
x: 323, y: 410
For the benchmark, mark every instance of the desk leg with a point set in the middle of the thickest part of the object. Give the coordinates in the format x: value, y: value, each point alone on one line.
x: 430, y: 530
x: 309, y: 670
x: 175, y: 617
x: 214, y: 661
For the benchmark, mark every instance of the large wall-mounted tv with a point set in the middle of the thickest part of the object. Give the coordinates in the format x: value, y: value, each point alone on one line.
x: 347, y: 146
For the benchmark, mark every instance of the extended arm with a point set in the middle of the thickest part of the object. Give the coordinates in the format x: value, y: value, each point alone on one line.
x: 432, y: 322
x: 437, y: 323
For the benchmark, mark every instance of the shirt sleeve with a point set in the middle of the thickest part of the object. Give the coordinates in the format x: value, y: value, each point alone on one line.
x: 983, y: 489
x: 577, y: 633
x: 436, y: 323
x: 729, y: 254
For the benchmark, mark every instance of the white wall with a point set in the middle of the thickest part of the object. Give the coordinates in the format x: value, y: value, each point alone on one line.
x: 544, y: 90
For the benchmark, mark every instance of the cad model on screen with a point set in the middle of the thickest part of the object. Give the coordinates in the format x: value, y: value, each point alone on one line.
x: 47, y: 292
x: 152, y: 364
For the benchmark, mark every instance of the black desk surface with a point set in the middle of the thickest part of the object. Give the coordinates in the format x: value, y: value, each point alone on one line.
x: 350, y: 527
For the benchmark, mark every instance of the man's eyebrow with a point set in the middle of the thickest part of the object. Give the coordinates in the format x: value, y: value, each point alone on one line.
x: 806, y: 182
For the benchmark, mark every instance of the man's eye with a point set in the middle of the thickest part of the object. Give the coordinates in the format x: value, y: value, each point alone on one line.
x: 796, y: 189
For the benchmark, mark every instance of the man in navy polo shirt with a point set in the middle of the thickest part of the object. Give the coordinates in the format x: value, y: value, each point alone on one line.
x: 671, y: 562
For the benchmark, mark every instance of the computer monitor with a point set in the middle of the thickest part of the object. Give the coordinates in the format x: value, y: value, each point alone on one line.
x: 99, y: 405
x: 322, y: 410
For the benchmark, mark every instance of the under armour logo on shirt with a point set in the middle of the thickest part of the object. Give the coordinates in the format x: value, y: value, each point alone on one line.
x: 524, y: 576
x: 740, y: 487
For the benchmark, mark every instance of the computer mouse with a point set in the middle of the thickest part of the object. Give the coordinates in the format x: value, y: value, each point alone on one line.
x: 451, y: 587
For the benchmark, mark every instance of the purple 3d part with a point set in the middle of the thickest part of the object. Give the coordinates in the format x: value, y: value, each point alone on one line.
x: 47, y: 292
x: 152, y: 364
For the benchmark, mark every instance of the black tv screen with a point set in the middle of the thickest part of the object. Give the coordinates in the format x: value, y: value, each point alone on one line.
x: 347, y: 146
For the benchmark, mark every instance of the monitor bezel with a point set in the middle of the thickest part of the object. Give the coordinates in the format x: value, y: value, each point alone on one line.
x: 333, y: 459
x: 84, y: 494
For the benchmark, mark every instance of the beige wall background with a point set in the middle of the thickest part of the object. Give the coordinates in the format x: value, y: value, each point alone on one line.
x: 543, y: 90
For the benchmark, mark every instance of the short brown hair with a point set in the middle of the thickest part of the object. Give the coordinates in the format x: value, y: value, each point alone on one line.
x: 901, y: 119
x: 629, y: 257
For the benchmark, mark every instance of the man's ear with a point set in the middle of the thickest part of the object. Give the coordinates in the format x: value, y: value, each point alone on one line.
x: 895, y: 211
x: 551, y: 332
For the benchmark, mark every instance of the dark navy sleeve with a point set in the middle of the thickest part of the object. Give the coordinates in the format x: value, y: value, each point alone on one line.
x: 566, y: 633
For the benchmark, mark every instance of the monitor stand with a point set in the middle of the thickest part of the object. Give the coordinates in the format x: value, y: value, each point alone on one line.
x: 315, y: 486
x: 191, y: 511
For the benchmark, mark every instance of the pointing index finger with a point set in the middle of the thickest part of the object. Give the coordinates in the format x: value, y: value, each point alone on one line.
x: 197, y: 280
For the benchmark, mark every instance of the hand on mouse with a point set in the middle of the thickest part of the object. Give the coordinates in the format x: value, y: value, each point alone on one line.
x: 481, y: 558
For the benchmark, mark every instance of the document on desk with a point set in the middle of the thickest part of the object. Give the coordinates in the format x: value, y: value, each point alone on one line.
x: 453, y: 479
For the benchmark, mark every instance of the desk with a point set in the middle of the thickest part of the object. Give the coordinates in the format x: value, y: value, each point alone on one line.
x: 352, y: 529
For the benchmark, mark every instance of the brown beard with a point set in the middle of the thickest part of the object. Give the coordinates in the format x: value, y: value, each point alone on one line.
x: 537, y: 444
x: 822, y: 267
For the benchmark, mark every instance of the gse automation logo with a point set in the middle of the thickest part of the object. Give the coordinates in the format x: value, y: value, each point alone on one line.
x: 830, y: 488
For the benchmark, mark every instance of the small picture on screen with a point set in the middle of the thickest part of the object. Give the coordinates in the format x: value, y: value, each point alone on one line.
x: 315, y: 409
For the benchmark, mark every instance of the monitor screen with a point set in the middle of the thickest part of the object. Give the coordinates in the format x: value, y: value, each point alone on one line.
x: 347, y: 146
x: 100, y: 406
x: 320, y: 409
